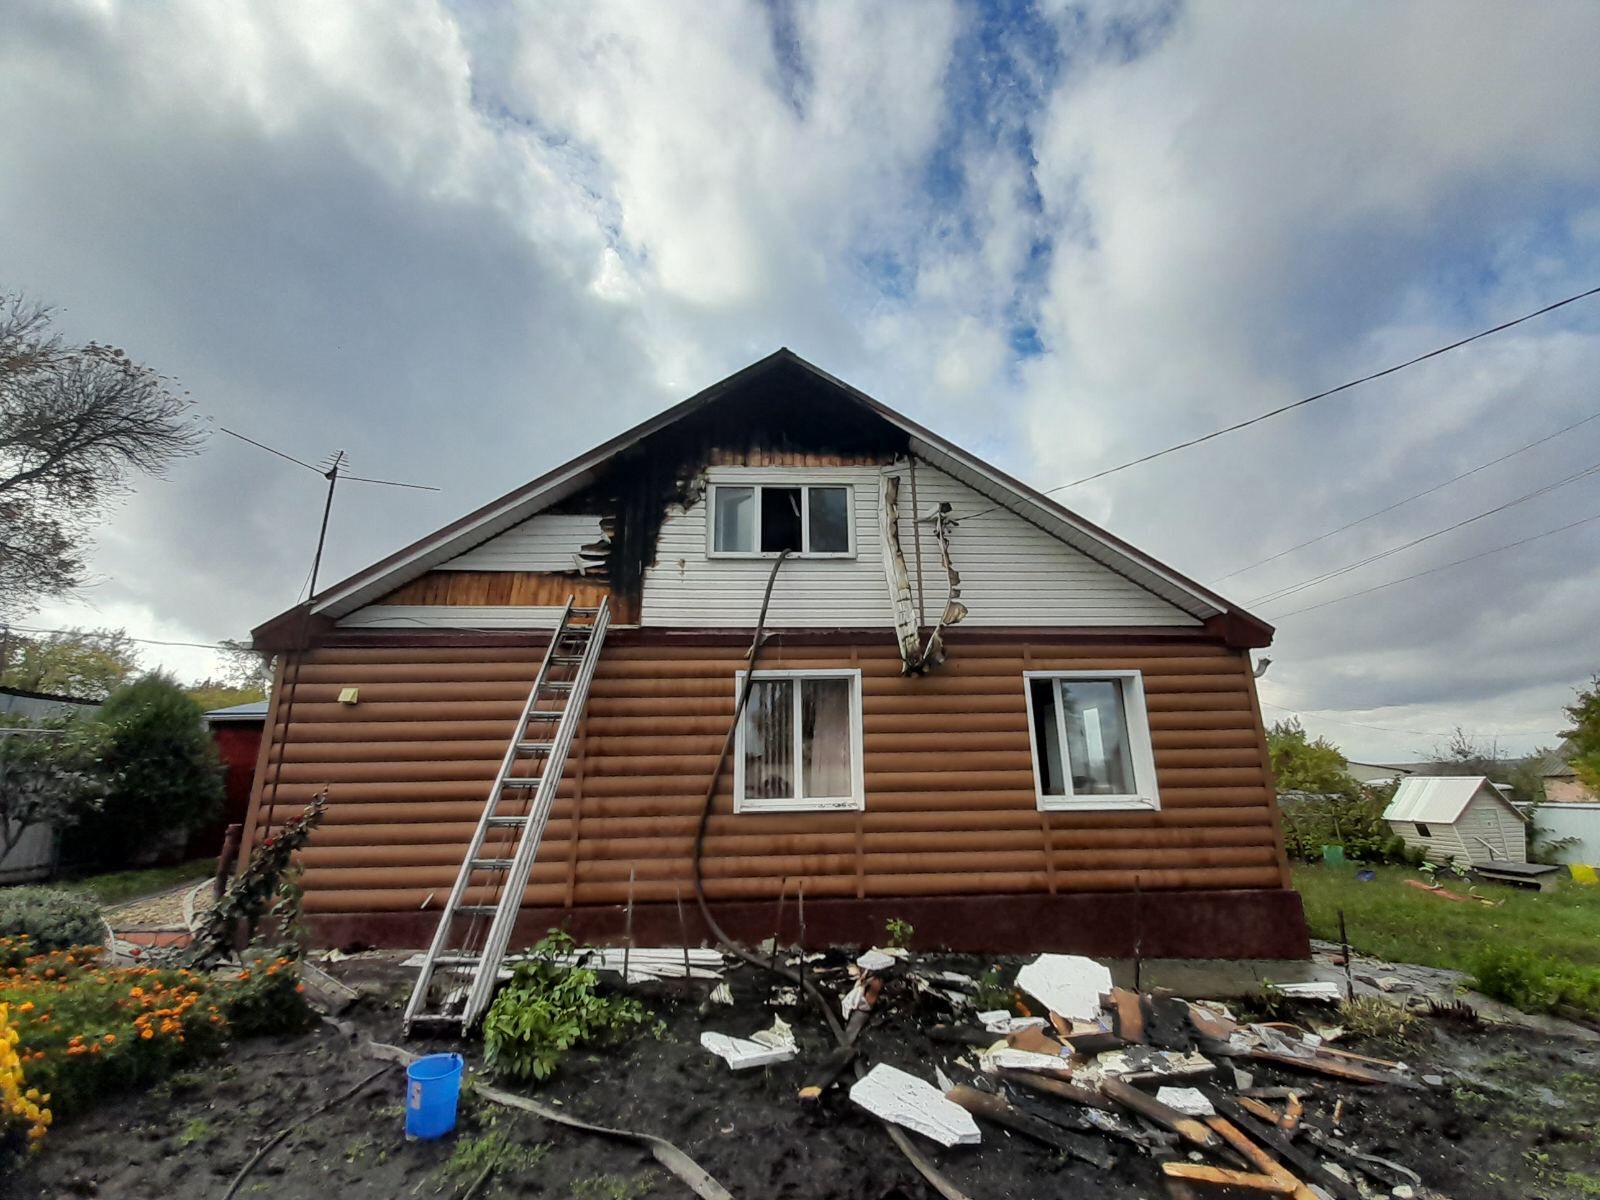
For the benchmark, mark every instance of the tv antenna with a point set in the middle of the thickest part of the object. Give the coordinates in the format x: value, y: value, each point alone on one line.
x: 333, y: 468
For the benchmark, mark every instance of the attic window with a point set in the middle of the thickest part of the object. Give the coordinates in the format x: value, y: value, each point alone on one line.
x: 764, y: 519
x: 1091, y: 740
x: 1423, y: 831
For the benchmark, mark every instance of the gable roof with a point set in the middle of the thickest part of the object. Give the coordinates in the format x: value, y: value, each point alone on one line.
x: 549, y: 489
x: 1441, y: 799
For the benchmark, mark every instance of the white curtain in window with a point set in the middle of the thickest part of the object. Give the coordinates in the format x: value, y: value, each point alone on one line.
x: 825, y: 737
x: 1097, y: 737
x: 769, y: 740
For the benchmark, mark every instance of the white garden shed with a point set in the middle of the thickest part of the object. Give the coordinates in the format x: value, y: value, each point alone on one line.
x: 1461, y: 817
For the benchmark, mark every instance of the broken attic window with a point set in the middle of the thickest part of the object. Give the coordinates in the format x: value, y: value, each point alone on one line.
x: 780, y: 519
x: 799, y: 742
x: 1423, y: 830
x: 762, y: 519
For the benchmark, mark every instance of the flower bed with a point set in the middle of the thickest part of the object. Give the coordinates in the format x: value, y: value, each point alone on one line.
x: 73, y: 1030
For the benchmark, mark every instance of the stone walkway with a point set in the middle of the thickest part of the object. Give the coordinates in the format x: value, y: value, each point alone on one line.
x: 163, y: 911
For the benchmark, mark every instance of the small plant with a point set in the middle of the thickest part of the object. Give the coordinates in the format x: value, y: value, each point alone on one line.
x: 898, y: 932
x: 549, y: 1007
x: 493, y: 1151
x: 196, y: 1130
x: 993, y: 993
x: 37, y: 919
x: 1371, y: 1017
x: 611, y: 1187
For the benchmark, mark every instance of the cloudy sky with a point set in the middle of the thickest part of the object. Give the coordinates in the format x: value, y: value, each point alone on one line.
x: 464, y: 242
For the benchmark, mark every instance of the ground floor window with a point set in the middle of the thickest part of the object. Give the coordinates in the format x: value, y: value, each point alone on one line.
x: 799, y: 742
x: 1091, y: 740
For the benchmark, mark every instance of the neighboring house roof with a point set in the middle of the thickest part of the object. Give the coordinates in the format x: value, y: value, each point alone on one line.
x: 252, y: 710
x: 1365, y: 772
x: 549, y: 489
x: 1558, y: 764
x: 20, y: 702
x: 1440, y: 799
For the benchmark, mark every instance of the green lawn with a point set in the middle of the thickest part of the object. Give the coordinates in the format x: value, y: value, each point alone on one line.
x: 130, y: 885
x: 1387, y: 919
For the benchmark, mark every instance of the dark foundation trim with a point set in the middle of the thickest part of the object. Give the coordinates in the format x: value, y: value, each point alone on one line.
x: 1182, y: 924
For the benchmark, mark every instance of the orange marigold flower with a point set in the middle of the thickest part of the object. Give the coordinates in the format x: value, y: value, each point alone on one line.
x: 146, y: 1033
x: 110, y: 1039
x: 299, y: 988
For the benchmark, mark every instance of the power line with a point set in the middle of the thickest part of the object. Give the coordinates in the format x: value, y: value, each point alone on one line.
x: 1414, y: 496
x: 1291, y: 589
x: 1279, y: 411
x: 131, y: 638
x: 1441, y: 567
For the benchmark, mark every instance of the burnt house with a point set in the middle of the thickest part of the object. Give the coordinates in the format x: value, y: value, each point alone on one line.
x: 971, y: 709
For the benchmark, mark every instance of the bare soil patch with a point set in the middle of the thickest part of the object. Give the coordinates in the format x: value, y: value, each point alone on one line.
x: 1516, y: 1117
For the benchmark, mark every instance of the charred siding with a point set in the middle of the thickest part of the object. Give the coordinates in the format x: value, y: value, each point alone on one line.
x: 949, y: 784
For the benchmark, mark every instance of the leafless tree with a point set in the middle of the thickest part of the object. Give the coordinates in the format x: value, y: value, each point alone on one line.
x: 77, y: 424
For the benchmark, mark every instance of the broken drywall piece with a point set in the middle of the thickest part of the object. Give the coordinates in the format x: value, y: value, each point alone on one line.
x: 1001, y: 1057
x: 855, y: 998
x: 1000, y: 1021
x: 780, y: 1036
x: 1312, y: 990
x: 875, y: 960
x: 770, y: 1046
x: 722, y: 994
x: 1191, y: 1102
x: 903, y: 1099
x: 1069, y: 983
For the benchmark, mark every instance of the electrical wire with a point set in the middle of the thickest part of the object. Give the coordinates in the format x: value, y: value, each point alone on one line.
x: 1441, y: 567
x: 1291, y: 589
x: 1399, y: 503
x: 1323, y: 395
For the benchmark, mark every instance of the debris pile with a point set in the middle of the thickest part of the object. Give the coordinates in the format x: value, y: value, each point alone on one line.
x: 1097, y: 1067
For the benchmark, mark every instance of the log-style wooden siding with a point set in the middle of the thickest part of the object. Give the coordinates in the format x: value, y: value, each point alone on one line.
x: 950, y: 805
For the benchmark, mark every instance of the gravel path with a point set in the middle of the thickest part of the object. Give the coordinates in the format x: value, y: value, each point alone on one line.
x: 161, y: 911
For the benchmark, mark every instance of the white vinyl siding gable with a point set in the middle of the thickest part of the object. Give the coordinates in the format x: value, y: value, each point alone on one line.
x: 1443, y: 842
x: 547, y: 542
x: 1012, y: 573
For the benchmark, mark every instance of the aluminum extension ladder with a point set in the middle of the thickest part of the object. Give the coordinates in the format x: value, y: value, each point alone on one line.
x: 462, y: 965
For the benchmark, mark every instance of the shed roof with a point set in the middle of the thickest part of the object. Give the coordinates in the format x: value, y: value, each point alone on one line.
x: 250, y: 710
x: 1008, y: 493
x: 1440, y: 799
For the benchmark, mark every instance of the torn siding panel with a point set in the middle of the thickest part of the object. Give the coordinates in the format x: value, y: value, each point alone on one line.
x: 907, y: 628
x: 547, y: 542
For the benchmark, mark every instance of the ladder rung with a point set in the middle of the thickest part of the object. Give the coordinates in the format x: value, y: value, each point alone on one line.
x: 491, y: 864
x: 507, y: 822
x: 521, y: 781
x: 566, y: 658
x: 558, y: 685
x: 547, y: 714
x: 457, y: 960
x: 583, y: 612
x: 535, y: 747
x: 478, y: 909
x: 427, y: 1018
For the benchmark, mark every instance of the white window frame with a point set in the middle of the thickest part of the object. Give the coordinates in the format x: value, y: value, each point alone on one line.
x: 805, y: 517
x: 1145, y: 795
x: 854, y: 802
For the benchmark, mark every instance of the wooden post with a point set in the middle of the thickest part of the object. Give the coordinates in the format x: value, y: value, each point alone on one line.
x: 627, y: 933
x: 683, y: 930
x: 1349, y: 977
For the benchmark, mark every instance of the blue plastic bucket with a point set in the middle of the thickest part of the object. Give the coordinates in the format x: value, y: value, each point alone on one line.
x: 433, y: 1085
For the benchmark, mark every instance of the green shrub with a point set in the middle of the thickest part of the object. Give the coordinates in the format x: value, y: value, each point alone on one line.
x: 49, y: 919
x: 1534, y: 982
x: 165, y: 776
x: 548, y: 1008
x: 1352, y: 821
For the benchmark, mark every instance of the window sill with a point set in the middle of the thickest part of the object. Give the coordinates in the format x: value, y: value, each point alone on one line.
x: 1091, y: 803
x: 848, y: 804
x: 769, y: 555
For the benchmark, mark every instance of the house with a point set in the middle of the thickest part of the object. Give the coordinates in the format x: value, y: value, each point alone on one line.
x: 237, y: 731
x: 37, y: 852
x: 1561, y: 782
x: 973, y: 711
x: 1376, y: 774
x: 1464, y: 818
